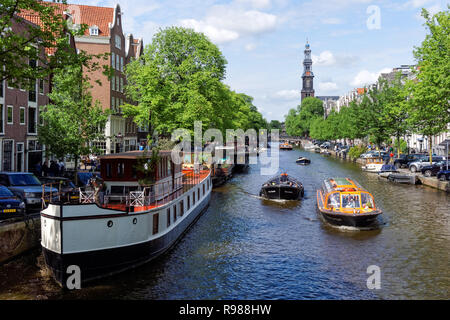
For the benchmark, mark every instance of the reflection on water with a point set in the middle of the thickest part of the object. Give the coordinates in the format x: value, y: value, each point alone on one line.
x: 245, y: 247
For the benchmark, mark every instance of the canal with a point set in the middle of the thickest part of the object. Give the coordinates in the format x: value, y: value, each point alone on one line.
x: 247, y: 248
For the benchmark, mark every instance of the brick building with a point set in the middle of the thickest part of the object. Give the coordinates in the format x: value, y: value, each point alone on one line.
x: 105, y: 35
x: 19, y: 116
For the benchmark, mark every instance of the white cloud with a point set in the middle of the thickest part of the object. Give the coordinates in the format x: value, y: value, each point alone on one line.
x: 326, y: 58
x: 288, y: 94
x: 250, y: 47
x: 365, y: 77
x: 256, y: 4
x: 227, y: 23
x: 328, y: 86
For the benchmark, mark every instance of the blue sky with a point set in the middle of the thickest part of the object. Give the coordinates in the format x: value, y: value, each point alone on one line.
x: 263, y: 40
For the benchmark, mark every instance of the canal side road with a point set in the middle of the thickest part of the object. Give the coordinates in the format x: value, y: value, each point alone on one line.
x: 432, y: 182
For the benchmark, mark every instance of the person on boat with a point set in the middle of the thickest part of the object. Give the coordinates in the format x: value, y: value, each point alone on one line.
x: 97, y: 184
x: 284, y: 177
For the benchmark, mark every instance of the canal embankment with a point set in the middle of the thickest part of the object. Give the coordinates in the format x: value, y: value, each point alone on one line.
x: 18, y: 237
x: 432, y: 182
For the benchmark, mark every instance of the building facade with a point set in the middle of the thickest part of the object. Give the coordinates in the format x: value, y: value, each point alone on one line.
x: 105, y: 36
x: 20, y: 150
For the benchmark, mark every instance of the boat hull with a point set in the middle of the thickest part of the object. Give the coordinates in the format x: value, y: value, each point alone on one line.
x: 98, y: 264
x: 281, y: 193
x: 356, y: 221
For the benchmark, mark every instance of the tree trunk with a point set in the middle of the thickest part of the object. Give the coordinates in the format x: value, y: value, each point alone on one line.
x: 430, y: 149
x: 398, y: 145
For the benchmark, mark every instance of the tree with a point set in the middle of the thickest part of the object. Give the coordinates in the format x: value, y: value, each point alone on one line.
x: 71, y: 122
x: 17, y: 48
x: 275, y: 124
x: 178, y: 81
x: 430, y: 92
x: 309, y: 109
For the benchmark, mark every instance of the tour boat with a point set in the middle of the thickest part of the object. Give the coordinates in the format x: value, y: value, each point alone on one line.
x: 285, y: 146
x: 343, y: 202
x: 283, y: 187
x: 303, y: 161
x: 144, y: 209
x: 373, y: 165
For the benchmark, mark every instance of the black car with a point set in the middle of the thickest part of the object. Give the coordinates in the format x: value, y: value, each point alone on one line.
x: 405, y: 160
x: 444, y: 174
x: 432, y: 170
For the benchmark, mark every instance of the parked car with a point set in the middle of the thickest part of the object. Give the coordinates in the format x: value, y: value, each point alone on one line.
x: 443, y: 175
x: 417, y: 165
x: 405, y: 160
x: 26, y: 187
x: 69, y: 191
x: 10, y: 205
x: 432, y: 170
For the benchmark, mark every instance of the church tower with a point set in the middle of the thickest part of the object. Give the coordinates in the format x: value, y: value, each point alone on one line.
x: 308, y: 75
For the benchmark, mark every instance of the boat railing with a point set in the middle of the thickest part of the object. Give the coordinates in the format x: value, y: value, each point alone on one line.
x: 153, y: 195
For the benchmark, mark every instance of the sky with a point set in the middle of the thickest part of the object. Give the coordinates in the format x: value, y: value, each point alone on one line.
x: 352, y: 41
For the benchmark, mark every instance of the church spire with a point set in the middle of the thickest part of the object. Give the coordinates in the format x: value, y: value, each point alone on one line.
x: 308, y: 75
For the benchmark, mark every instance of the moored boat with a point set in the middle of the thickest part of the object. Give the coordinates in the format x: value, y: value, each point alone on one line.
x: 282, y: 187
x: 131, y: 223
x: 303, y: 161
x: 342, y: 202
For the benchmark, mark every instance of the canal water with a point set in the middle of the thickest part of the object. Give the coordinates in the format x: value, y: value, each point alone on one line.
x: 244, y: 247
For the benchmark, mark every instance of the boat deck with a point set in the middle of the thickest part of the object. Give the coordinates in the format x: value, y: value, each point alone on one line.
x: 189, y: 181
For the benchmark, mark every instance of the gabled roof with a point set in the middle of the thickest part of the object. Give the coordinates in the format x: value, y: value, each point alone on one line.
x: 82, y: 14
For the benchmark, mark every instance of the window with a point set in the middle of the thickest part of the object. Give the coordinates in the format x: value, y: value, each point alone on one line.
x: 22, y: 115
x: 121, y: 85
x: 118, y: 42
x: 174, y: 213
x: 93, y: 31
x: 41, y: 86
x: 10, y: 114
x: 2, y: 114
x: 8, y: 155
x: 168, y: 217
x: 120, y: 169
x: 108, y: 170
x: 155, y: 223
x: 198, y: 194
x: 181, y: 208
x: 113, y: 104
x: 32, y: 120
x: 113, y: 84
x: 113, y: 60
x: 1, y: 89
x: 203, y: 189
x: 117, y: 84
x: 121, y: 64
x: 188, y: 203
x: 32, y: 91
x: 117, y: 62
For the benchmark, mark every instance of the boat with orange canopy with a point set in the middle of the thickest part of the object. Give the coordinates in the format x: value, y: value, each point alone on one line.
x: 343, y: 202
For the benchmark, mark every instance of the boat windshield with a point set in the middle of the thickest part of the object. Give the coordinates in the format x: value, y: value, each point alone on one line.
x: 333, y: 200
x: 367, y: 201
x: 350, y: 200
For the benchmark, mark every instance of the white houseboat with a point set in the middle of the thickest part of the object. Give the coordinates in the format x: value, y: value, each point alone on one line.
x: 127, y: 224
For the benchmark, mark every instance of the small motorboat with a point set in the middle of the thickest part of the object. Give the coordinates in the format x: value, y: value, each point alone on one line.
x: 283, y: 187
x: 285, y: 146
x: 343, y: 202
x: 325, y: 152
x: 386, y: 170
x: 303, y: 161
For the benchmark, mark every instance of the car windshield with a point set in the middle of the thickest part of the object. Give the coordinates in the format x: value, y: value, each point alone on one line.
x: 24, y: 180
x: 5, y: 192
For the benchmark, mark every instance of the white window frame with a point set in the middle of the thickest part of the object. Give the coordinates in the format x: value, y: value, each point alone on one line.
x: 93, y: 31
x: 24, y: 116
x: 7, y: 114
x: 113, y: 60
x: 23, y: 155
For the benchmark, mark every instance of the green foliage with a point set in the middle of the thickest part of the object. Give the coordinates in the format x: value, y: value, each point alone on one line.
x: 275, y: 124
x: 356, y: 151
x: 72, y: 121
x: 299, y: 121
x: 178, y: 81
x: 430, y: 103
x: 17, y: 48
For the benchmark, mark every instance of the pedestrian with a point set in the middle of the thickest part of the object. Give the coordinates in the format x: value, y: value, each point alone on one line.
x: 62, y: 167
x: 54, y: 169
x: 391, y: 155
x: 39, y: 169
x: 45, y: 169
